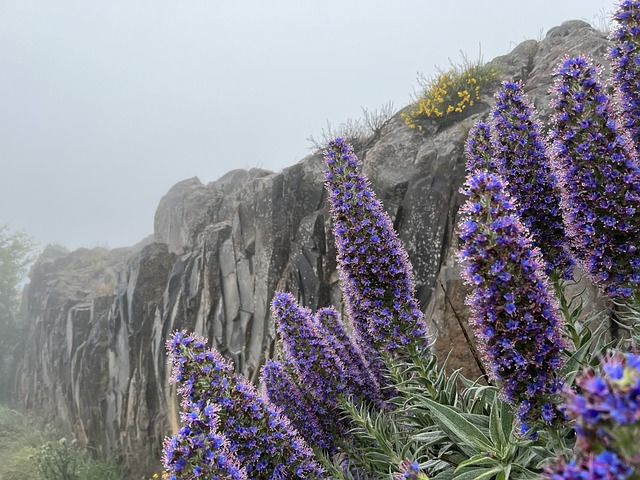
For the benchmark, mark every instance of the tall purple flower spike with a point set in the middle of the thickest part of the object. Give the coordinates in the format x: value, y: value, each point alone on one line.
x: 320, y: 372
x: 625, y: 63
x: 521, y: 159
x: 362, y: 380
x: 600, y: 179
x: 283, y: 391
x: 257, y: 434
x: 374, y: 269
x: 514, y: 314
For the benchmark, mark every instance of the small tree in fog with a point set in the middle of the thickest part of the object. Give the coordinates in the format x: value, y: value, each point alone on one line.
x: 17, y: 252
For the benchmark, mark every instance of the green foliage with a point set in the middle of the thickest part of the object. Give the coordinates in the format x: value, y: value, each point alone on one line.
x: 16, y: 254
x: 453, y: 427
x: 29, y: 451
x: 58, y: 460
x: 448, y: 93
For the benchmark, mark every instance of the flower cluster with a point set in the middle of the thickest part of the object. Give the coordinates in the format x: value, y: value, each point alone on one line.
x: 521, y: 159
x: 257, y: 435
x: 599, y: 177
x: 604, y: 466
x: 625, y: 63
x: 606, y: 409
x: 479, y: 150
x: 607, y: 405
x: 512, y: 309
x: 283, y: 391
x: 364, y: 383
x: 375, y: 272
x: 450, y: 92
x: 196, y: 451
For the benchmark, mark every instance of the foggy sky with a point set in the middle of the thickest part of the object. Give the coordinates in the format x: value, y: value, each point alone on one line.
x: 105, y: 104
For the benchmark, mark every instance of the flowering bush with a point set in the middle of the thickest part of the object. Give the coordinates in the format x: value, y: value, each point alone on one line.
x: 450, y: 92
x: 363, y: 397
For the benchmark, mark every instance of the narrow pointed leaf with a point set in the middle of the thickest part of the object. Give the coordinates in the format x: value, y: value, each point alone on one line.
x: 462, y: 428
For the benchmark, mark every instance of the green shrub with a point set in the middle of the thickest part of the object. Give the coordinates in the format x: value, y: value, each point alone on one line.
x: 450, y: 92
x: 30, y: 451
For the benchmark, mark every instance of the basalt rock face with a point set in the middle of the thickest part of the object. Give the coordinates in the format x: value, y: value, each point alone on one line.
x: 97, y: 320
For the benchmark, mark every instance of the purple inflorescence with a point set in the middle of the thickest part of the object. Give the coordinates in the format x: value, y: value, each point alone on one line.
x: 480, y: 153
x: 606, y: 411
x: 374, y: 269
x: 625, y: 63
x: 604, y: 466
x: 364, y: 383
x: 196, y: 451
x: 599, y: 177
x: 521, y: 159
x: 606, y: 402
x: 320, y: 372
x: 259, y: 437
x: 514, y: 314
x: 313, y: 358
x: 285, y: 393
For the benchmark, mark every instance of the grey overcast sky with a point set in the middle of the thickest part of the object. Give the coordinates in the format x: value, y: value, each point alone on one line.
x: 105, y: 104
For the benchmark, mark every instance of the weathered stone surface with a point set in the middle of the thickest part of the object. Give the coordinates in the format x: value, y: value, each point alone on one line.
x: 97, y: 321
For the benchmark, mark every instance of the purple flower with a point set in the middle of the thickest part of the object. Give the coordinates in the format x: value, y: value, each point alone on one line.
x: 362, y: 380
x: 604, y: 466
x: 606, y: 410
x: 514, y: 314
x: 480, y: 153
x: 625, y: 63
x: 318, y: 369
x: 521, y: 159
x: 374, y: 270
x: 408, y: 471
x: 258, y: 436
x: 604, y: 402
x: 600, y: 180
x: 285, y: 393
x: 196, y: 451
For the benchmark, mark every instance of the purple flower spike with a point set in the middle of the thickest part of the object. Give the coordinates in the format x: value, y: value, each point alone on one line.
x: 604, y: 466
x: 625, y: 63
x: 283, y: 392
x: 514, y: 314
x: 196, y: 451
x: 606, y: 402
x: 606, y: 411
x: 521, y: 159
x: 319, y: 371
x: 258, y: 435
x: 360, y: 375
x: 312, y: 356
x: 374, y: 269
x: 600, y: 180
x: 480, y: 154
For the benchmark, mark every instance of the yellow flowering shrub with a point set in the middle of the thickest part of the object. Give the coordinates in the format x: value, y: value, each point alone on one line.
x: 450, y: 92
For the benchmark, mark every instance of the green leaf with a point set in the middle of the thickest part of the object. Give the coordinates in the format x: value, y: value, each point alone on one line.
x: 446, y: 475
x: 496, y: 431
x: 461, y: 427
x: 478, y: 474
x: 480, y: 459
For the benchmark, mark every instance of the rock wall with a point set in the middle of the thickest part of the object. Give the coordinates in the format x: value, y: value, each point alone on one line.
x: 97, y: 320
